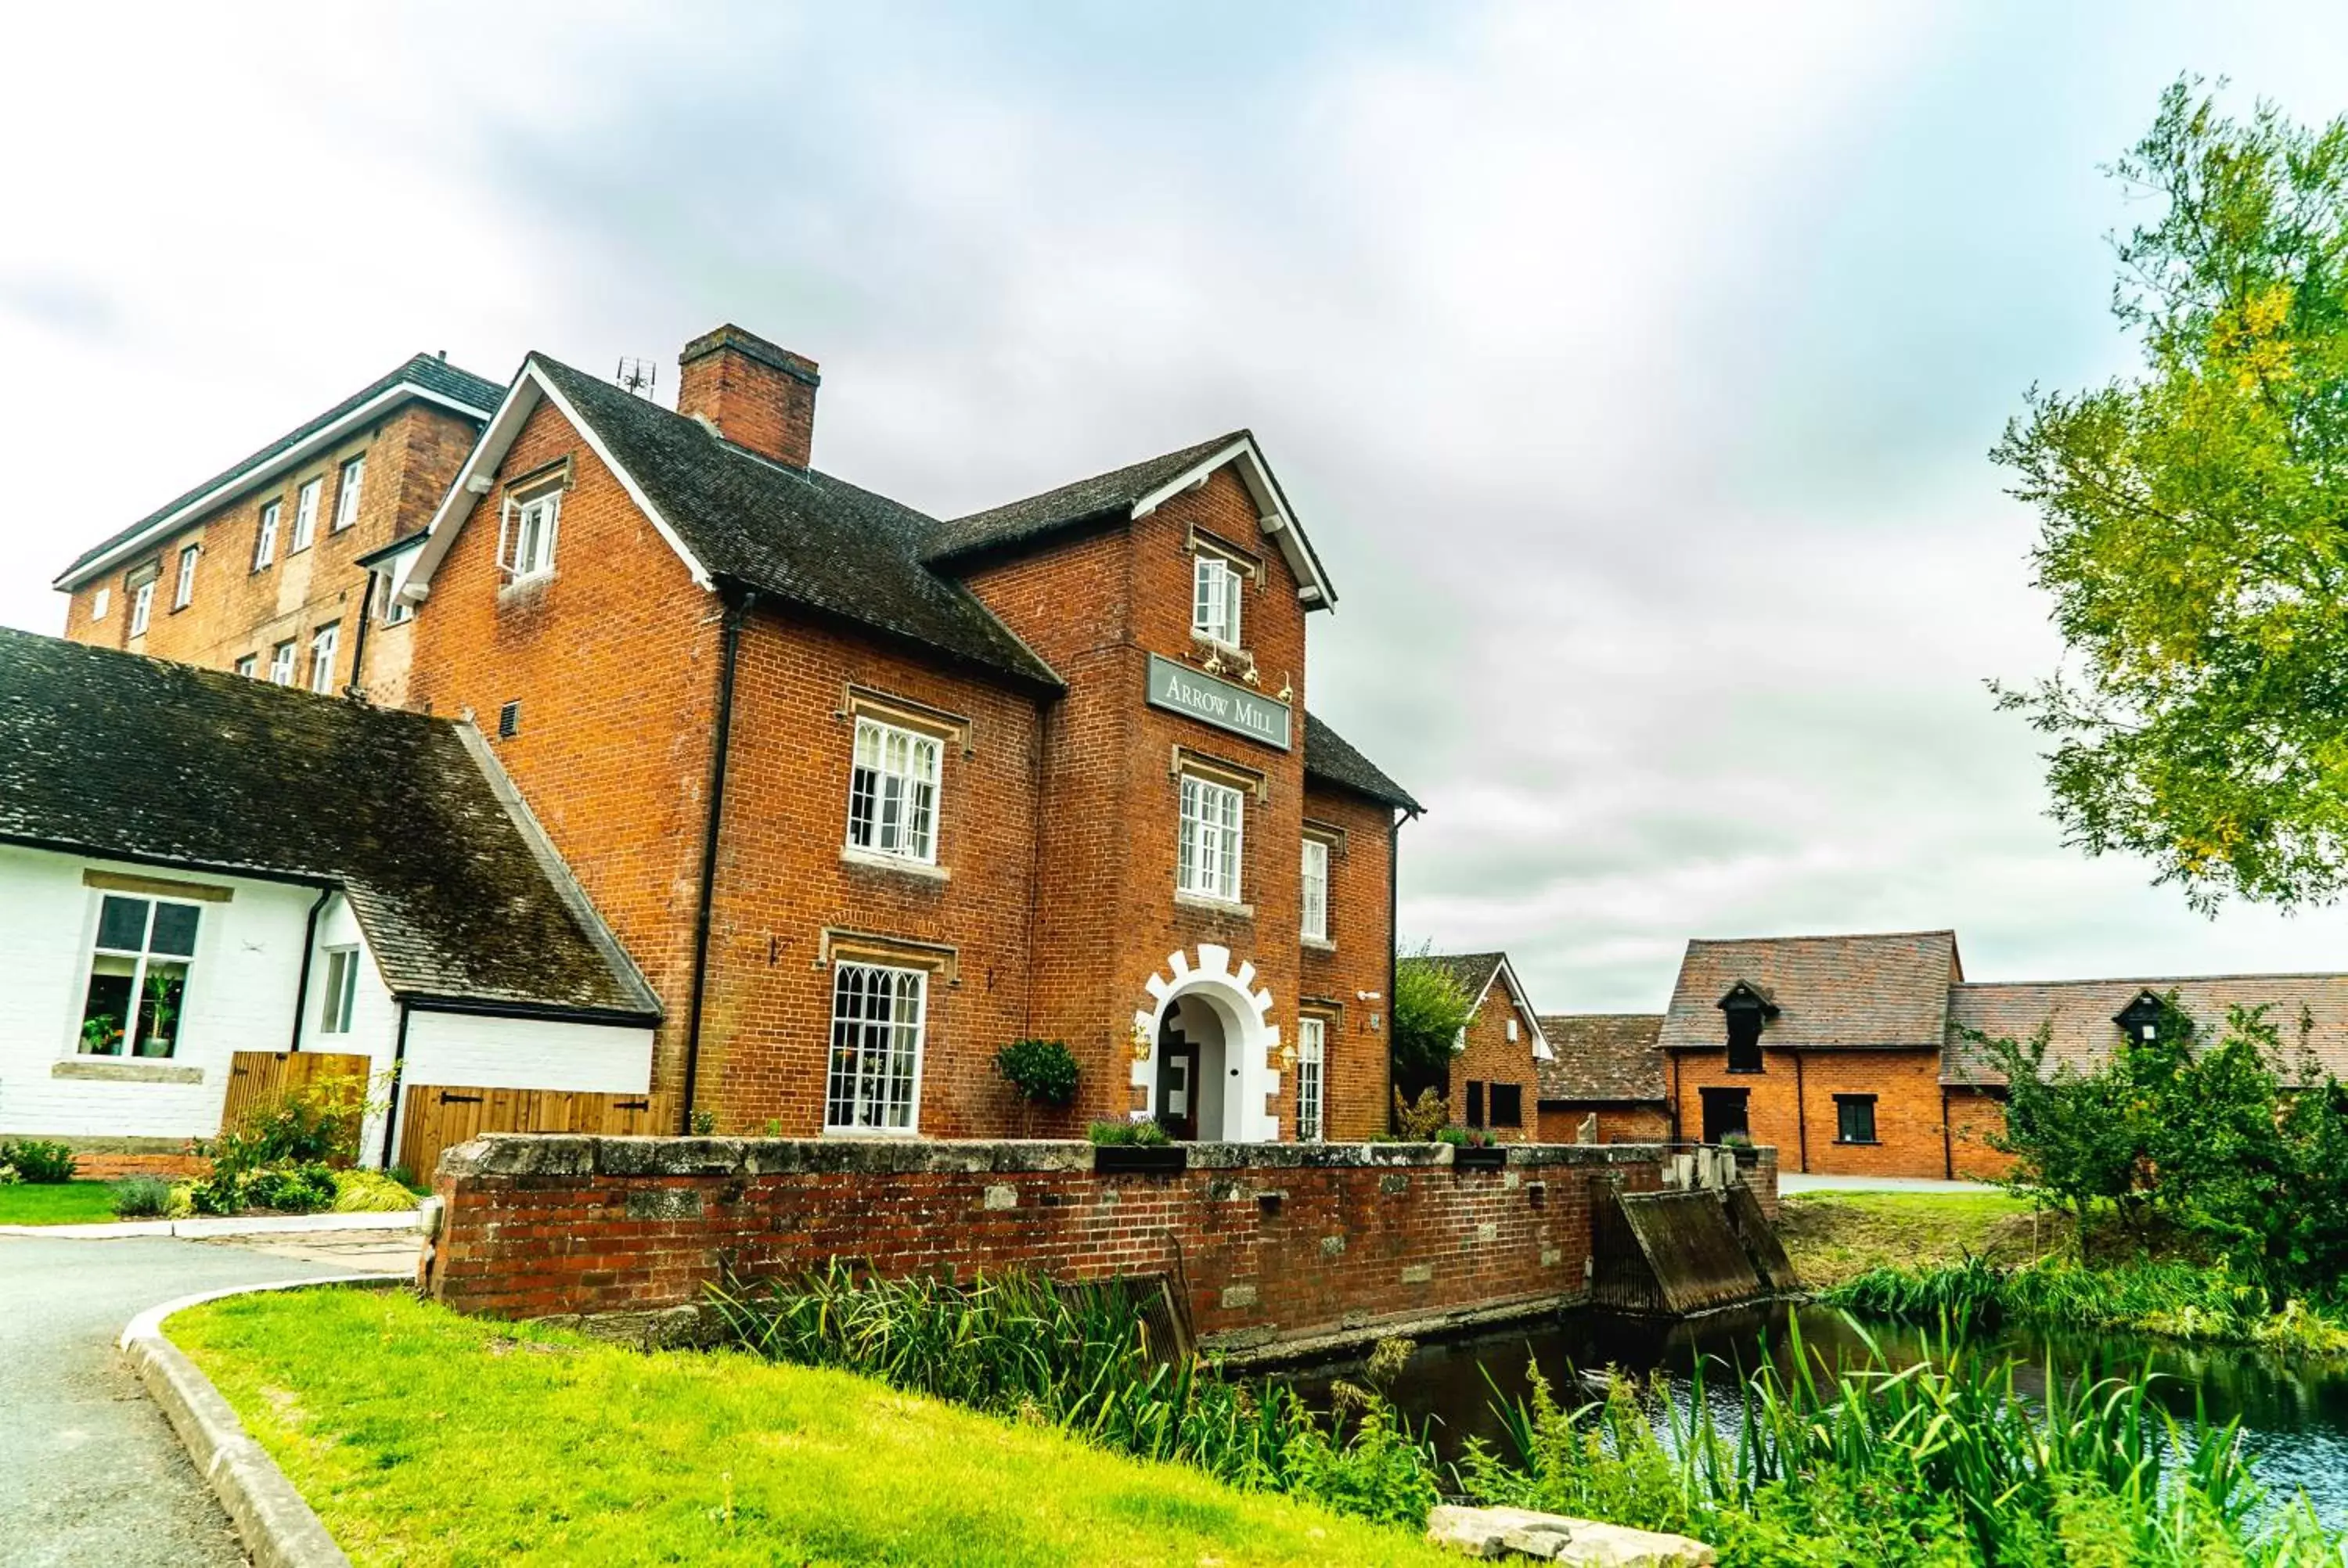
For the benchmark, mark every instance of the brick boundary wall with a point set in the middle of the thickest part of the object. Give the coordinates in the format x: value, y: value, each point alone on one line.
x: 1287, y: 1245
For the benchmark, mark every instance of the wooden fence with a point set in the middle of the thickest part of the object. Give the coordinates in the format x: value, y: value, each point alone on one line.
x: 438, y: 1118
x: 258, y: 1077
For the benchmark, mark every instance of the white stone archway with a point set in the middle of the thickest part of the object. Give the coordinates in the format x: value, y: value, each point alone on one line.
x: 1251, y: 1040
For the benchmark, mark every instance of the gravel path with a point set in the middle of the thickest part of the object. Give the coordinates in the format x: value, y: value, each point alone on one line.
x: 90, y: 1472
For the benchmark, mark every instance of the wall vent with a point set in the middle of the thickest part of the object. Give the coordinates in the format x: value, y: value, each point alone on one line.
x: 509, y: 721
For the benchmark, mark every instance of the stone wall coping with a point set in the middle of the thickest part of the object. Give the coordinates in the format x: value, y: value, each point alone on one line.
x: 583, y: 1154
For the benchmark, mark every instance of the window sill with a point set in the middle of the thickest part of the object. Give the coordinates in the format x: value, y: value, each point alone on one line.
x: 126, y: 1069
x: 1859, y: 1142
x: 1318, y: 945
x: 912, y: 1133
x: 518, y: 587
x: 1206, y: 906
x: 1749, y: 1072
x: 874, y: 860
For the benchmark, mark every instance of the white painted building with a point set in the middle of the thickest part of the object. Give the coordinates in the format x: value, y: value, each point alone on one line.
x: 268, y: 870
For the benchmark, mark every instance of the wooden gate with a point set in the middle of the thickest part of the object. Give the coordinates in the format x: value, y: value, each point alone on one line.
x: 438, y: 1118
x: 256, y: 1077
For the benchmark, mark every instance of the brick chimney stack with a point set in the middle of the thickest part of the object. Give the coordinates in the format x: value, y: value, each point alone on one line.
x: 758, y: 396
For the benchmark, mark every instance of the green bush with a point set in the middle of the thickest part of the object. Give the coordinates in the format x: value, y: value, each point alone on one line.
x: 1430, y: 1008
x: 289, y: 1189
x: 1417, y: 1122
x: 1042, y: 1070
x: 142, y: 1198
x: 34, y: 1160
x: 1147, y: 1134
x: 369, y: 1191
x: 317, y: 1124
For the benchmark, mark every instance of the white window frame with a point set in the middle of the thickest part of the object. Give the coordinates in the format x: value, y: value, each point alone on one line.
x: 183, y: 588
x: 265, y: 539
x: 323, y: 644
x: 305, y: 514
x: 339, y: 994
x: 1312, y: 917
x: 850, y: 1081
x: 911, y: 764
x: 249, y: 666
x: 1216, y: 590
x: 281, y: 661
x: 101, y: 603
x: 1209, y: 854
x: 527, y: 528
x: 145, y: 952
x: 350, y: 484
x: 142, y: 607
x: 1312, y: 1079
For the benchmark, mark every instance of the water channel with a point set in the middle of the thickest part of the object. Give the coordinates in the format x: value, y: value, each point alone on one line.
x: 2293, y: 1413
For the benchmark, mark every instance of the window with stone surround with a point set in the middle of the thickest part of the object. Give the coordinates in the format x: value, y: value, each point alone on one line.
x: 183, y: 589
x: 265, y: 539
x: 281, y: 664
x: 137, y: 976
x: 893, y: 792
x: 142, y: 607
x: 1316, y: 920
x: 877, y: 1018
x: 249, y: 666
x: 305, y: 514
x: 323, y: 642
x: 1215, y: 593
x: 1208, y: 860
x: 347, y: 486
x: 1312, y: 1079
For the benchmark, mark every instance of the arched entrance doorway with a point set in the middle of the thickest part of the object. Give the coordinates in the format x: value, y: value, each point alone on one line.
x: 1210, y: 1068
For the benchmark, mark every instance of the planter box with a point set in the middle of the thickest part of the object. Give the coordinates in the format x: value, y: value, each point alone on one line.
x: 1139, y: 1160
x: 1478, y: 1159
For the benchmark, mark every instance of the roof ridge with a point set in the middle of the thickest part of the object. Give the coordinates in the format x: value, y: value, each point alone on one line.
x: 2154, y: 980
x: 1949, y: 931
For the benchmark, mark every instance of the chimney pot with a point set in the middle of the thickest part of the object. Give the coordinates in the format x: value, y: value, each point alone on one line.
x: 755, y: 393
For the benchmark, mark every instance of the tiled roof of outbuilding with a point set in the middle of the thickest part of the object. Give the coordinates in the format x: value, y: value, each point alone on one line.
x: 797, y: 534
x: 1329, y: 758
x: 1831, y: 992
x: 1472, y: 971
x: 426, y: 371
x: 115, y: 755
x: 1604, y: 1056
x: 2309, y: 1011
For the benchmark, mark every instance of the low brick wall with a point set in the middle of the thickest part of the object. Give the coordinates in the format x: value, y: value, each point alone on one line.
x: 1286, y: 1244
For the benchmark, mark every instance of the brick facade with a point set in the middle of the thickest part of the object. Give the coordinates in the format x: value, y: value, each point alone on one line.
x: 1491, y: 1057
x: 1561, y: 1122
x: 1271, y: 1245
x: 1791, y: 1105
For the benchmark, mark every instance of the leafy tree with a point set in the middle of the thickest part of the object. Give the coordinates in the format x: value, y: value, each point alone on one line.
x: 2193, y: 533
x: 1430, y: 1008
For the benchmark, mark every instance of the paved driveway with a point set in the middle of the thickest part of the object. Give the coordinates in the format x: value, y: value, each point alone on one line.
x: 91, y: 1475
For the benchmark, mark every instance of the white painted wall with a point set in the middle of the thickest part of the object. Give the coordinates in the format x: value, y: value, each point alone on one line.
x: 465, y: 1050
x: 240, y: 997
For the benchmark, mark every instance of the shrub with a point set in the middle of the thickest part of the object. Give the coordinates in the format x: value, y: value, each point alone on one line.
x: 288, y: 1188
x: 1430, y: 1008
x: 317, y: 1125
x: 1042, y: 1070
x: 1147, y: 1134
x: 1417, y: 1122
x: 34, y: 1160
x: 369, y: 1191
x: 142, y: 1198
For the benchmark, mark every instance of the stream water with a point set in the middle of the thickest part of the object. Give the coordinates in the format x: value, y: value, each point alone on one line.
x: 2293, y: 1413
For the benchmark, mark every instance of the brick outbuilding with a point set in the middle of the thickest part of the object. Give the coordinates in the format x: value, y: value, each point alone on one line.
x: 1496, y: 1069
x: 1609, y: 1067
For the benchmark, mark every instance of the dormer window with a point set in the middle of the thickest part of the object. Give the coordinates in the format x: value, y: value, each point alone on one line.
x: 1745, y: 1007
x: 2142, y: 1021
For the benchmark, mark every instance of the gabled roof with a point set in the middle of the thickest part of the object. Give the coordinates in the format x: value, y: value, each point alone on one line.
x: 1604, y: 1056
x: 426, y: 376
x: 797, y: 535
x: 1329, y: 760
x: 1135, y: 491
x: 1888, y: 991
x: 117, y: 756
x: 2309, y: 1011
x: 1475, y: 973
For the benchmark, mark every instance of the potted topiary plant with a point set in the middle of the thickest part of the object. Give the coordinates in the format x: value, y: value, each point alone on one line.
x: 1043, y: 1071
x: 1136, y: 1149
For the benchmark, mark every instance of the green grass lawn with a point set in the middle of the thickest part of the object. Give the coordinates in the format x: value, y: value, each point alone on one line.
x: 421, y: 1437
x: 1832, y: 1237
x: 55, y: 1203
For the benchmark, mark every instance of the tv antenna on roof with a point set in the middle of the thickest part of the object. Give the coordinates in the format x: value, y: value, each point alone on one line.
x: 638, y: 375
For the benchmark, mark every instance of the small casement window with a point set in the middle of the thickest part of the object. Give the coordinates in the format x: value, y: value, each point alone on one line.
x: 397, y: 610
x: 322, y: 659
x: 1206, y: 863
x: 1215, y: 585
x: 99, y: 602
x: 1508, y: 1104
x: 142, y: 607
x: 1854, y: 1118
x: 1312, y: 1079
x: 874, y: 1084
x: 1512, y: 1029
x: 249, y: 666
x: 347, y: 485
x: 1316, y: 920
x: 1725, y: 1113
x: 305, y: 514
x: 1475, y: 1102
x: 1744, y: 1039
x: 265, y: 539
x: 281, y: 664
x: 893, y: 792
x: 183, y: 588
x: 340, y: 989
x: 526, y: 535
x: 137, y: 976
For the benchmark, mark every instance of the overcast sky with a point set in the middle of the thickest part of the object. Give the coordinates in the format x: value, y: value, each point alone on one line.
x: 1632, y: 366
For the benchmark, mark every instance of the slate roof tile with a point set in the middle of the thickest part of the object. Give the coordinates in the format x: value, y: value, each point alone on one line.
x: 1833, y: 993
x: 1103, y: 494
x: 1609, y: 1056
x: 2309, y: 1012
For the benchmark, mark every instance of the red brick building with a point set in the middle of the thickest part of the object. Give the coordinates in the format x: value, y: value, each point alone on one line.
x: 868, y: 794
x: 1609, y: 1067
x: 1496, y: 1070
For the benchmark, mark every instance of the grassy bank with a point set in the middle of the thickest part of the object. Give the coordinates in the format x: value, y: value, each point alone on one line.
x: 55, y: 1203
x: 422, y: 1437
x: 1836, y: 1236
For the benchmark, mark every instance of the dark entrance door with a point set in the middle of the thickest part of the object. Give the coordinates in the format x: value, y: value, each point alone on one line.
x: 1725, y: 1112
x: 1178, y: 1083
